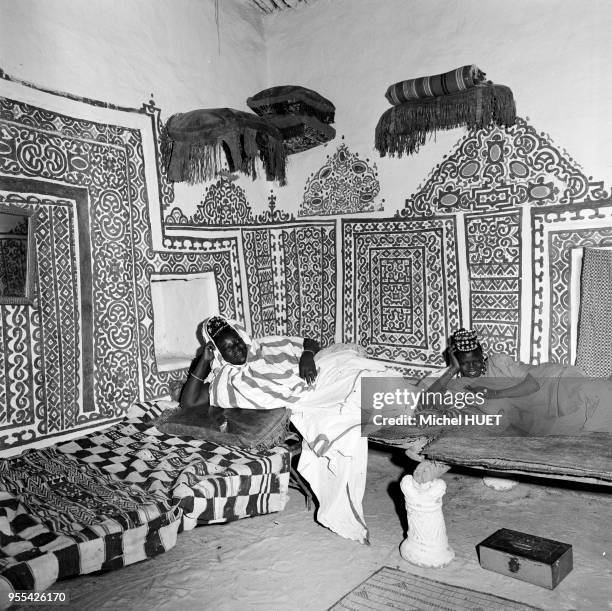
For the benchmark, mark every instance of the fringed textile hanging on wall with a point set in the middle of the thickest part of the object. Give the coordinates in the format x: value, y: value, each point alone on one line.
x: 291, y: 100
x: 404, y: 128
x: 302, y: 115
x: 302, y: 132
x: 195, y: 145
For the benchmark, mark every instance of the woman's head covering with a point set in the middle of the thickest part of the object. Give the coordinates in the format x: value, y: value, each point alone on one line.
x: 465, y: 340
x: 213, y: 326
x: 268, y: 378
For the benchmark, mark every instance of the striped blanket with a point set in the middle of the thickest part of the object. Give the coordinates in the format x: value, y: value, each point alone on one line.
x: 459, y: 79
x: 404, y: 128
x: 120, y: 495
x: 269, y: 379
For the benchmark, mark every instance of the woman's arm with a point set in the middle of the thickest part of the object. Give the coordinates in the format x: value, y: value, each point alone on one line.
x: 525, y: 387
x: 307, y: 368
x: 439, y: 385
x: 195, y: 390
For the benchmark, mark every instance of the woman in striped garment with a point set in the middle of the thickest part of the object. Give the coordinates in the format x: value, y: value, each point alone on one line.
x: 322, y: 390
x: 245, y: 373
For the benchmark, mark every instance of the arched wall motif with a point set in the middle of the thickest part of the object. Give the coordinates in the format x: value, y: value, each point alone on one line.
x: 494, y: 181
x: 344, y: 184
x: 491, y: 240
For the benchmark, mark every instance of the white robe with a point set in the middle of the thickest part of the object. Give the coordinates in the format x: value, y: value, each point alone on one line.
x: 328, y: 416
x: 334, y: 454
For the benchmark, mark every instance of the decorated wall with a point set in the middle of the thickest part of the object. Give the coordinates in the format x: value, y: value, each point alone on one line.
x: 86, y: 163
x: 483, y: 228
x: 509, y: 203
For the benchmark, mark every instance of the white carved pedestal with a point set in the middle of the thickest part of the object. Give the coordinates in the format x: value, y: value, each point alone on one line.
x: 427, y: 543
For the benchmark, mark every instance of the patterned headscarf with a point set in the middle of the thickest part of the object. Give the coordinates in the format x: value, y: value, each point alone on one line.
x: 216, y: 324
x: 269, y: 378
x: 466, y: 340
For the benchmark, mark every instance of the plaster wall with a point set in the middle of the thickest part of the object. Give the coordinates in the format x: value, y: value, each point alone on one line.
x: 553, y: 54
x: 504, y: 254
x: 123, y: 52
x: 86, y: 164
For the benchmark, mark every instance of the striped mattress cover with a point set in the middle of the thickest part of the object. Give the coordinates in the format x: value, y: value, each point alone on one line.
x: 121, y: 495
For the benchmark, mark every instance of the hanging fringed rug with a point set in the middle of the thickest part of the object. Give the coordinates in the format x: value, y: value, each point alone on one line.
x: 196, y: 145
x: 404, y: 128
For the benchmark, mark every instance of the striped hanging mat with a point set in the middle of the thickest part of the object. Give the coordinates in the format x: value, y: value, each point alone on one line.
x: 594, y: 355
x: 455, y: 80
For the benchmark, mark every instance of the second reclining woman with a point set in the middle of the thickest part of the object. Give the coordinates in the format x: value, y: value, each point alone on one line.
x: 546, y: 399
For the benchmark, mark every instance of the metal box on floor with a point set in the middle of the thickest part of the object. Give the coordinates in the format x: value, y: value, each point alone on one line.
x: 540, y: 561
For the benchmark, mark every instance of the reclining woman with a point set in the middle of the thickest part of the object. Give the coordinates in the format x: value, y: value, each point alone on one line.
x: 546, y: 399
x: 321, y: 387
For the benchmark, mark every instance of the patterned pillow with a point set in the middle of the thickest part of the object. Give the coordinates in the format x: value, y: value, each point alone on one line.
x: 292, y: 100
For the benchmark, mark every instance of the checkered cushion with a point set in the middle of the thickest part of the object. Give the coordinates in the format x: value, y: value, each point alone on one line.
x: 210, y: 482
x: 60, y: 518
x: 145, y: 411
x: 120, y: 495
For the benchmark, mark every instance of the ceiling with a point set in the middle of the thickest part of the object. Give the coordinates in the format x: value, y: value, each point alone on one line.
x: 272, y: 6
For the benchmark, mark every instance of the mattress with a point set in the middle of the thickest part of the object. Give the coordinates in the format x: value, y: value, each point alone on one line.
x: 121, y: 495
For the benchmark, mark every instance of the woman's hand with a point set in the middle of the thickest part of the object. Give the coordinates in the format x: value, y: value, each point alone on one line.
x: 308, y: 369
x: 452, y: 357
x: 208, y: 354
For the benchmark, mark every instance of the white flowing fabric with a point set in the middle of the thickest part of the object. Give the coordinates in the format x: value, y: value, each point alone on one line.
x: 334, y: 454
x: 327, y: 414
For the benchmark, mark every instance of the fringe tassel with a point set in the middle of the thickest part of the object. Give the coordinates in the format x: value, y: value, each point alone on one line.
x: 276, y: 436
x: 194, y: 162
x: 404, y: 128
x: 251, y: 152
x: 197, y: 162
x: 274, y: 158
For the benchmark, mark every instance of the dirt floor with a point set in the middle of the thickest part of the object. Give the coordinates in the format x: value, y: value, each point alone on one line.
x: 286, y: 561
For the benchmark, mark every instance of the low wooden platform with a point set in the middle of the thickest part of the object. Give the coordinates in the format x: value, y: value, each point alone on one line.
x: 585, y: 458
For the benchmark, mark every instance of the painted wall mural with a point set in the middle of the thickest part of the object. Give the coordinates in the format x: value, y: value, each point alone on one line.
x: 491, y: 180
x: 225, y: 205
x: 494, y: 267
x: 498, y: 169
x: 42, y: 387
x: 345, y: 184
x: 291, y: 276
x: 503, y: 205
x: 85, y: 351
x: 559, y: 235
x: 401, y: 289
